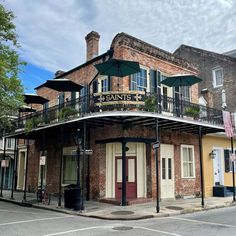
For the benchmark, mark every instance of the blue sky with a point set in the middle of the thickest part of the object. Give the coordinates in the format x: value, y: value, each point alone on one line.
x: 33, y: 75
x: 52, y: 32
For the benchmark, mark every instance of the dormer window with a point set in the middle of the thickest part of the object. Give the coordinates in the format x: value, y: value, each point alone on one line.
x: 217, y: 77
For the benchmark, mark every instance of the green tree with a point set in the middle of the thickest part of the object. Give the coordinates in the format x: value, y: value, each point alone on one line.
x: 11, y: 89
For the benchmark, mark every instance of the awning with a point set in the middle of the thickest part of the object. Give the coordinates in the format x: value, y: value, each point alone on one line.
x: 62, y: 85
x: 34, y: 99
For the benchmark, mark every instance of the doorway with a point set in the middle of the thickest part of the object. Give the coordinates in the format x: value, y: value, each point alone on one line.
x: 21, y: 170
x: 167, y: 171
x: 218, y: 168
x: 131, y: 178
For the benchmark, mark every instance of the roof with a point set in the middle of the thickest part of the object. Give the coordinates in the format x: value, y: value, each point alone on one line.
x: 204, y: 52
x: 135, y: 43
x: 61, y: 75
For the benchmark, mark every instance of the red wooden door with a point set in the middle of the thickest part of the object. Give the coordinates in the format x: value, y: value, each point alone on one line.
x: 131, y: 178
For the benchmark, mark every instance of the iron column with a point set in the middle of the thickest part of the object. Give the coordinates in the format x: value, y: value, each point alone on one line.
x: 60, y: 171
x: 232, y: 151
x: 201, y: 167
x: 123, y: 200
x: 14, y: 167
x: 26, y: 169
x: 78, y: 203
x: 157, y: 172
x: 3, y: 168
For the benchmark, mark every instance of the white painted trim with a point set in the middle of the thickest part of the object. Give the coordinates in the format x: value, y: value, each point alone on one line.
x: 221, y: 163
x: 162, y: 151
x: 20, y: 150
x: 181, y: 155
x: 214, y: 76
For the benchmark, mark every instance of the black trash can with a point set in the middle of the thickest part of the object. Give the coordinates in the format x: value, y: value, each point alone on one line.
x: 69, y: 196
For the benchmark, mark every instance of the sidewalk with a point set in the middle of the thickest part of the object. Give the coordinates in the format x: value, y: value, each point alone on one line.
x: 132, y: 212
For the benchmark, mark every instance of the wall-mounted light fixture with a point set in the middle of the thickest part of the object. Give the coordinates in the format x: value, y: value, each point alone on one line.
x: 212, y: 154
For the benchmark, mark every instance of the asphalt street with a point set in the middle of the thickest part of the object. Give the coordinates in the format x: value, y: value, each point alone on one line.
x: 17, y: 220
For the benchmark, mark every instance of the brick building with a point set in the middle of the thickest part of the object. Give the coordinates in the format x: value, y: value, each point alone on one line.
x: 218, y: 72
x: 117, y: 119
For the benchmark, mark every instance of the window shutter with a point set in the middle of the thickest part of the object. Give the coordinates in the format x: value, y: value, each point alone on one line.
x: 226, y: 157
x: 109, y: 83
x: 95, y: 86
x: 153, y: 81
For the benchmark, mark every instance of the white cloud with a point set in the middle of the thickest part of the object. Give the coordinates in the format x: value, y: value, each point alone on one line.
x: 52, y: 32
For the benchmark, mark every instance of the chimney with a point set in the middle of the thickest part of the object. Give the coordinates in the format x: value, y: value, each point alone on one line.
x: 92, y: 41
x: 59, y: 72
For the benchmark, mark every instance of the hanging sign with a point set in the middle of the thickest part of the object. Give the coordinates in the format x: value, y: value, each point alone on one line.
x: 42, y: 161
x: 5, y: 163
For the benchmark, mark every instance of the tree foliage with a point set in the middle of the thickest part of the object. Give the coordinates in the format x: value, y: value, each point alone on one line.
x: 11, y: 89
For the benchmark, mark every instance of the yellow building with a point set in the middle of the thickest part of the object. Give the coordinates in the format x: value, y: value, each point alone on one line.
x: 217, y: 168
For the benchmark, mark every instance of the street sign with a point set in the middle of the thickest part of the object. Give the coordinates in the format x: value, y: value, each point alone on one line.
x: 5, y: 163
x: 156, y: 145
x: 42, y: 161
x: 232, y: 157
x: 88, y: 152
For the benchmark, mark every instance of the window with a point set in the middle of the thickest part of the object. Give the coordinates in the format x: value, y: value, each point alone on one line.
x: 185, y: 93
x: 104, y: 85
x: 228, y: 162
x: 138, y: 81
x: 217, y: 77
x: 10, y: 143
x: 69, y: 169
x: 187, y: 161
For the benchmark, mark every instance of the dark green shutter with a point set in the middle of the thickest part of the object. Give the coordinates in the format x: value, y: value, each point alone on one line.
x: 109, y: 83
x: 95, y: 86
x: 153, y: 81
x: 226, y: 157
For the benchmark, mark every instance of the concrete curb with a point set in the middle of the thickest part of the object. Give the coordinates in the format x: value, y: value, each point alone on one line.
x: 108, y: 216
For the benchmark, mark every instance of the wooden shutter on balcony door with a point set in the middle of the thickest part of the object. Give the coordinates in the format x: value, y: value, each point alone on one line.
x: 95, y: 86
x: 153, y: 81
x: 226, y: 157
x: 109, y: 83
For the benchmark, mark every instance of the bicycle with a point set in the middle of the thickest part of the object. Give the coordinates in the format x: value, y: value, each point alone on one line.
x: 43, y: 196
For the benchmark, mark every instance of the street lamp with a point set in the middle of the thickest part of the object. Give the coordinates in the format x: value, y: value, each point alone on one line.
x: 78, y: 203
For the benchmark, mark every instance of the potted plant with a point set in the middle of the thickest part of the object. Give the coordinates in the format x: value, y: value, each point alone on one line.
x: 67, y: 112
x: 32, y: 123
x: 151, y: 104
x: 192, y: 112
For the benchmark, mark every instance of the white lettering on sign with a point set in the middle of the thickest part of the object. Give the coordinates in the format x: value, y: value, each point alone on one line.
x: 42, y: 161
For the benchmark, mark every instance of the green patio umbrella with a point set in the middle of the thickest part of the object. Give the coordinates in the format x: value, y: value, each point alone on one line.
x: 180, y: 81
x: 117, y: 67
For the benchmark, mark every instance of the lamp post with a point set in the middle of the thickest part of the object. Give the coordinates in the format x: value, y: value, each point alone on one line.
x: 78, y: 203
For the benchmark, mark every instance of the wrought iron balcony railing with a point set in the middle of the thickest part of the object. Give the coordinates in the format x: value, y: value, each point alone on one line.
x: 108, y: 101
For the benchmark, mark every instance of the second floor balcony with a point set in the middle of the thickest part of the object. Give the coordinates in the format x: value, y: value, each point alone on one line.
x: 108, y: 102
